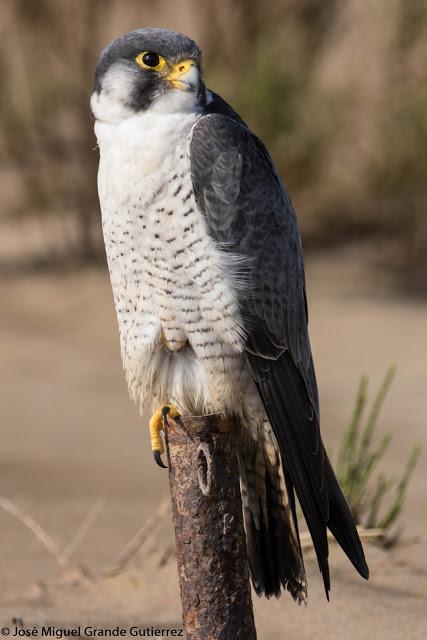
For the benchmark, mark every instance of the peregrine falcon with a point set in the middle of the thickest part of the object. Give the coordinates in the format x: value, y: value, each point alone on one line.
x: 207, y: 273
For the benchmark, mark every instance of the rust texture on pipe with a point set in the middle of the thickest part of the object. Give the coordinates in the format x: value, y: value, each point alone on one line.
x: 208, y: 521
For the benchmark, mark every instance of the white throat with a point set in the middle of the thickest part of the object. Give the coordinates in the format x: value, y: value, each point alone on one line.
x: 110, y: 104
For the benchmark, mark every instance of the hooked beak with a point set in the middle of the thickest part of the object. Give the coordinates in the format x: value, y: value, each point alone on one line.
x: 184, y: 75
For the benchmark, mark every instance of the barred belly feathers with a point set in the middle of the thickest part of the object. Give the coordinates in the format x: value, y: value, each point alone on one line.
x: 172, y: 286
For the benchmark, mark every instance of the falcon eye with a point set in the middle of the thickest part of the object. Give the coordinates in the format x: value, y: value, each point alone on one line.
x: 150, y: 60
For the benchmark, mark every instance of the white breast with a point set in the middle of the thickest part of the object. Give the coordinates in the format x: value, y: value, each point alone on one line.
x: 169, y: 279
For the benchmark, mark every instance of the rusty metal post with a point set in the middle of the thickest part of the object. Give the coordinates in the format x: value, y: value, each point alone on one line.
x: 208, y: 521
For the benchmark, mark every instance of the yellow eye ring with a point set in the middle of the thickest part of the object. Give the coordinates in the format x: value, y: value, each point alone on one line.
x: 150, y: 60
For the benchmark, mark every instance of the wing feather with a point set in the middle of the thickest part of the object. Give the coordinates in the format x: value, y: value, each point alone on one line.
x: 248, y: 213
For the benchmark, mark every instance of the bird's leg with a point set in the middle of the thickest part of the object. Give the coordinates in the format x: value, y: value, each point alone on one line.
x: 158, y: 422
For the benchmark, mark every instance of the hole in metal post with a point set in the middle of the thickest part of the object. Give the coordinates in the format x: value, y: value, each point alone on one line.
x: 204, y: 468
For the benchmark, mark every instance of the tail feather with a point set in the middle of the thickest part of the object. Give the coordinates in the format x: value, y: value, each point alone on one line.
x: 341, y: 523
x: 307, y: 469
x: 274, y: 554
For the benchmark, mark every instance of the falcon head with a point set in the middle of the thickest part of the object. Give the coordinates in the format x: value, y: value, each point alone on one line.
x: 147, y: 69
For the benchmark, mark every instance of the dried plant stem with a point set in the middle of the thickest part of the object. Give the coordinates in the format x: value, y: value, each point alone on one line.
x: 83, y: 529
x: 37, y: 530
x: 364, y: 534
x: 148, y: 529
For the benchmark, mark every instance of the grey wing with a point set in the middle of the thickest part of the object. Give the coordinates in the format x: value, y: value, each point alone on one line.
x: 248, y: 213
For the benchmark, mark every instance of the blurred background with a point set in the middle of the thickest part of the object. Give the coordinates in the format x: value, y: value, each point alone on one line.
x: 338, y: 92
x: 336, y: 89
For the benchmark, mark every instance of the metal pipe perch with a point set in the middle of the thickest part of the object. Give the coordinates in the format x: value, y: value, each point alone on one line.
x: 210, y: 538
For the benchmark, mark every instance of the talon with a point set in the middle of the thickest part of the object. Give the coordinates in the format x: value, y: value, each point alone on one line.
x: 171, y: 411
x: 165, y: 411
x: 158, y: 459
x: 158, y: 422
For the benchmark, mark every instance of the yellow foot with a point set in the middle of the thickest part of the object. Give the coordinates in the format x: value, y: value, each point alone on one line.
x: 157, y: 424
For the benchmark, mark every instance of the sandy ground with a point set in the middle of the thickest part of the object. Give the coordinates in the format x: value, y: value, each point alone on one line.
x: 69, y: 436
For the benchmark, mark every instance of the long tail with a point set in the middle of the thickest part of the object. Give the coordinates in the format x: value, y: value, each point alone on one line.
x: 274, y: 553
x: 341, y: 523
x: 307, y: 469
